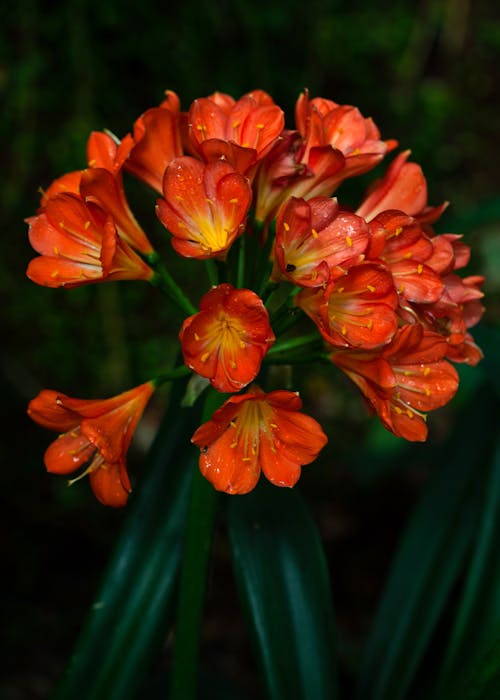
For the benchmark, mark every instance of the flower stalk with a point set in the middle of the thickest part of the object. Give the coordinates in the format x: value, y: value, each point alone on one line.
x: 166, y: 283
x: 192, y: 584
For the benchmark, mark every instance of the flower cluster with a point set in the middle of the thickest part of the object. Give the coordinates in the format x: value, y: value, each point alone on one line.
x: 254, y: 201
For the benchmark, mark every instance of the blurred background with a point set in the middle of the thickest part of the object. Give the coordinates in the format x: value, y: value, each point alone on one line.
x: 428, y: 74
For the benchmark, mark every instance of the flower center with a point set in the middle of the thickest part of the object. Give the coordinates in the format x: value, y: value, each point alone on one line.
x: 252, y: 422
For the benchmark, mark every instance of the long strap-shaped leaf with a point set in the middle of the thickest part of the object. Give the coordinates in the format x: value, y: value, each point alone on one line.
x: 127, y: 623
x: 477, y: 681
x: 283, y: 581
x: 477, y: 623
x: 430, y: 557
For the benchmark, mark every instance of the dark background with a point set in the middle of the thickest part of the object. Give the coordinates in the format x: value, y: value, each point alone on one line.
x: 427, y: 72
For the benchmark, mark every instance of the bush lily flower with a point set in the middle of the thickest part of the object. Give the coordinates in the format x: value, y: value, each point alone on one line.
x: 256, y: 207
x: 95, y: 435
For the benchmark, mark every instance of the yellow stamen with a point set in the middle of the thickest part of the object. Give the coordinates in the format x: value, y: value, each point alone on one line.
x: 348, y: 240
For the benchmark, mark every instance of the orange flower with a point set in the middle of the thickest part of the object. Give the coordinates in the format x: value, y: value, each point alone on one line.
x: 332, y: 142
x: 257, y: 431
x: 356, y: 309
x: 104, y: 151
x: 157, y: 139
x: 205, y: 206
x: 102, y: 183
x: 324, y: 122
x: 313, y: 237
x: 288, y: 171
x: 242, y: 132
x: 403, y: 187
x: 100, y: 186
x: 406, y: 380
x: 79, y: 244
x: 399, y: 241
x: 458, y: 309
x: 96, y: 433
x: 227, y: 340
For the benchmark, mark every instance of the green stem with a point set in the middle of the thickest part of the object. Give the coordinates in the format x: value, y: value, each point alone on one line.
x: 264, y: 265
x: 212, y: 272
x: 165, y: 282
x: 301, y: 342
x: 198, y: 538
x: 240, y: 272
x: 153, y: 259
x: 175, y: 373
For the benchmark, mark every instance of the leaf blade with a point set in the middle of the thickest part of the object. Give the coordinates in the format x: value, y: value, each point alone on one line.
x: 127, y: 623
x: 283, y: 582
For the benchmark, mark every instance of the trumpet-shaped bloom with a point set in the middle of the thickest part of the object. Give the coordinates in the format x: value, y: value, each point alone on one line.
x: 325, y: 123
x: 332, y: 142
x: 79, y: 244
x: 289, y: 170
x: 399, y: 241
x: 157, y: 141
x: 242, y: 132
x: 102, y: 184
x: 458, y: 309
x: 205, y: 206
x: 95, y: 434
x: 313, y: 237
x: 403, y: 187
x: 355, y: 310
x: 406, y: 380
x: 227, y: 340
x: 257, y: 431
x: 104, y: 151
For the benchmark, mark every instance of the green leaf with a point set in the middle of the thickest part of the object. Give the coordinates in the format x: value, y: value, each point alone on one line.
x: 128, y: 621
x: 431, y: 555
x: 283, y: 582
x: 477, y: 623
x: 479, y: 680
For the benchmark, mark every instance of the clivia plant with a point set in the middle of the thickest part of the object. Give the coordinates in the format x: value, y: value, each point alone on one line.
x: 292, y: 276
